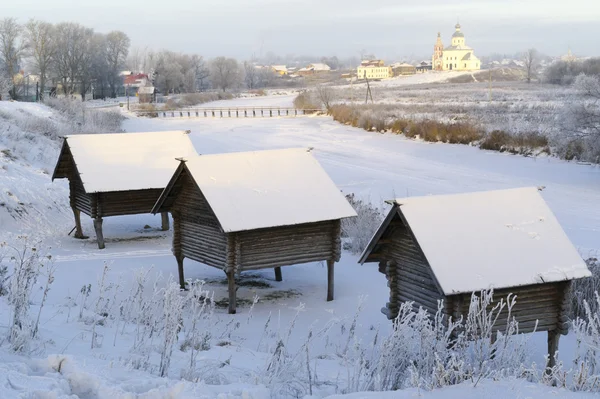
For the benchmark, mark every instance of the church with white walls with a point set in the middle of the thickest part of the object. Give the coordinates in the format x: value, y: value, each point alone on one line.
x: 456, y: 57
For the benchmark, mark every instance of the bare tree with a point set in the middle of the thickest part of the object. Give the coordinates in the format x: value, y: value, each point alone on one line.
x: 93, y: 60
x: 70, y: 54
x: 251, y: 75
x: 225, y: 73
x: 117, y: 48
x: 12, y: 49
x: 201, y: 71
x: 42, y: 47
x: 531, y: 60
x: 326, y: 95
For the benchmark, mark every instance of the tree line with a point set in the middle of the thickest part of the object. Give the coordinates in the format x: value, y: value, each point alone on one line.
x: 67, y: 53
x: 77, y: 59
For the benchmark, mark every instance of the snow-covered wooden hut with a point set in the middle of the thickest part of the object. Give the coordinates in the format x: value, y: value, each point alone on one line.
x: 254, y: 210
x: 447, y: 247
x: 119, y: 173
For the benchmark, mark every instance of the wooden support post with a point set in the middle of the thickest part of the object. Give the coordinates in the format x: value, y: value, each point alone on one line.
x: 78, y: 229
x: 99, y: 235
x: 180, y: 270
x: 164, y: 216
x: 330, y: 264
x: 553, y: 337
x: 270, y: 112
x: 278, y: 276
x: 232, y: 291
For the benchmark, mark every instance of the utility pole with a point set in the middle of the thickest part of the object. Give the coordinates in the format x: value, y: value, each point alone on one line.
x: 127, y: 90
x: 369, y: 93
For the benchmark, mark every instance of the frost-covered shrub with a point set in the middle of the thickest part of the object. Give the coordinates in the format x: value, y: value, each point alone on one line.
x: 369, y: 120
x: 585, y: 371
x: 81, y: 119
x: 431, y: 351
x: 358, y: 231
x: 307, y: 100
x: 584, y: 291
x: 25, y: 262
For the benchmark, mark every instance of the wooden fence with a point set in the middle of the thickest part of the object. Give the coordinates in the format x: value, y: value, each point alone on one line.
x: 236, y: 112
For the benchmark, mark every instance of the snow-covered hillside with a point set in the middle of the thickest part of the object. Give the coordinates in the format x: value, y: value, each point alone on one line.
x: 96, y: 345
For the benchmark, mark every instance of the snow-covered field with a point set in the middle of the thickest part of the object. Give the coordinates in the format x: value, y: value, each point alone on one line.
x: 373, y: 166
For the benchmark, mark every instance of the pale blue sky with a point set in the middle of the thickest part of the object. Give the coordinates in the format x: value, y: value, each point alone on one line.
x: 388, y: 28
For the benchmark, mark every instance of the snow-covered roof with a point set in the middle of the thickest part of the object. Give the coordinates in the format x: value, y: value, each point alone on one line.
x: 320, y: 67
x: 253, y: 190
x: 282, y: 68
x: 493, y: 239
x: 128, y: 161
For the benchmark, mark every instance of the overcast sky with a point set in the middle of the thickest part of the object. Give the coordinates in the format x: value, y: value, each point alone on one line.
x: 387, y: 28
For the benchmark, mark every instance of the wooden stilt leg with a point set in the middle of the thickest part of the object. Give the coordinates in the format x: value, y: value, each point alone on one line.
x: 180, y: 269
x: 553, y: 337
x: 165, y: 221
x: 78, y: 229
x: 330, y: 264
x: 278, y: 276
x: 232, y: 291
x: 99, y: 235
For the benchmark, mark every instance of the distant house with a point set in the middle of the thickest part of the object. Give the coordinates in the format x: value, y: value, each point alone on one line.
x: 373, y: 69
x: 445, y: 248
x: 280, y: 70
x: 400, y: 69
x: 424, y: 66
x: 312, y: 69
x: 146, y: 94
x: 134, y: 81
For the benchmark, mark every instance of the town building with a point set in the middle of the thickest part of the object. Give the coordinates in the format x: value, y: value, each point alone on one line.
x: 399, y: 69
x: 456, y: 57
x: 437, y: 61
x: 312, y: 69
x: 280, y: 70
x: 373, y: 69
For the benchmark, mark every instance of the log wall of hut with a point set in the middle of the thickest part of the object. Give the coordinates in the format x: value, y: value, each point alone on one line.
x: 288, y: 245
x: 407, y: 272
x: 199, y: 235
x: 543, y: 307
x: 119, y: 203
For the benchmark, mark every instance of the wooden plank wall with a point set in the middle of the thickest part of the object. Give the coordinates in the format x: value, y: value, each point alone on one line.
x: 288, y: 245
x: 201, y: 238
x: 78, y: 198
x: 117, y: 203
x: 408, y: 276
x: 546, y: 303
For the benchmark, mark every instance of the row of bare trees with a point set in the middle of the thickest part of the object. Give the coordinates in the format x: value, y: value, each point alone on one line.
x: 184, y: 73
x: 67, y: 52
